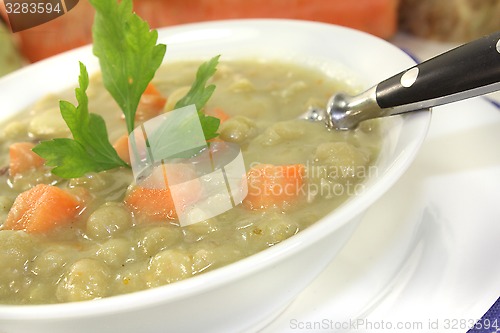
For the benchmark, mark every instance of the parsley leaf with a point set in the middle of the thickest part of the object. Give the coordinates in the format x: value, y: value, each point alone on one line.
x: 127, y: 52
x: 128, y: 57
x: 90, y: 149
x: 178, y: 132
x: 210, y: 125
x: 199, y: 94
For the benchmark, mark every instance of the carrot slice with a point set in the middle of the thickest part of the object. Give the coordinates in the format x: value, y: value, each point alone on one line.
x: 154, y: 199
x: 41, y: 209
x: 155, y: 204
x: 218, y: 113
x: 273, y: 185
x: 151, y: 104
x: 121, y: 147
x: 22, y: 158
x: 151, y: 90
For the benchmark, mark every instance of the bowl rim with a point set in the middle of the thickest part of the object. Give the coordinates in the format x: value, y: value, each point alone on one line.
x: 252, y: 264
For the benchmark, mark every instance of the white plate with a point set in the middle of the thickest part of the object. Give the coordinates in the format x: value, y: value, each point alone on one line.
x: 427, y: 252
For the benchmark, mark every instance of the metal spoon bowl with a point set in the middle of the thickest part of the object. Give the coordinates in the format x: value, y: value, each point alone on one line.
x: 469, y: 70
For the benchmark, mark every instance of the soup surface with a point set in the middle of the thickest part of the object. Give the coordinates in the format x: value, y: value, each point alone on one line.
x: 297, y: 172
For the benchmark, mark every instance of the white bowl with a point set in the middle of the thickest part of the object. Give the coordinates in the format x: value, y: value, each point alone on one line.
x: 250, y: 292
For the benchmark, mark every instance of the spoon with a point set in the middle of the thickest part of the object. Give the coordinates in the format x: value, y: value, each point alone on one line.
x: 469, y: 70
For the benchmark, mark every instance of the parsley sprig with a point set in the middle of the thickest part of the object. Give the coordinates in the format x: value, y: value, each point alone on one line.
x: 90, y: 149
x: 129, y: 57
x: 199, y: 94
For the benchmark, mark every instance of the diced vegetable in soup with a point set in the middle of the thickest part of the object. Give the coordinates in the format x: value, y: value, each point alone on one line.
x: 99, y: 235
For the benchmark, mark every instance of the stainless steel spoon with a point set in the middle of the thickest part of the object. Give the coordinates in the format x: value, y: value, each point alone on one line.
x: 469, y: 70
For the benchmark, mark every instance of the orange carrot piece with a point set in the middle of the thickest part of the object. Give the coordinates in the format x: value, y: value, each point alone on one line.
x: 155, y: 204
x: 41, y: 209
x: 121, y: 147
x: 273, y: 185
x: 151, y: 104
x: 22, y: 158
x: 153, y: 198
x: 151, y: 90
x: 218, y: 113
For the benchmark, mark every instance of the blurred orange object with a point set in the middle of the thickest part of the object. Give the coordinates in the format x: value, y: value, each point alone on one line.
x: 66, y: 32
x: 378, y: 17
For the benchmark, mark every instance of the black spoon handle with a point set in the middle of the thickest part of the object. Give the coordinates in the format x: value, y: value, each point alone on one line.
x: 469, y: 70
